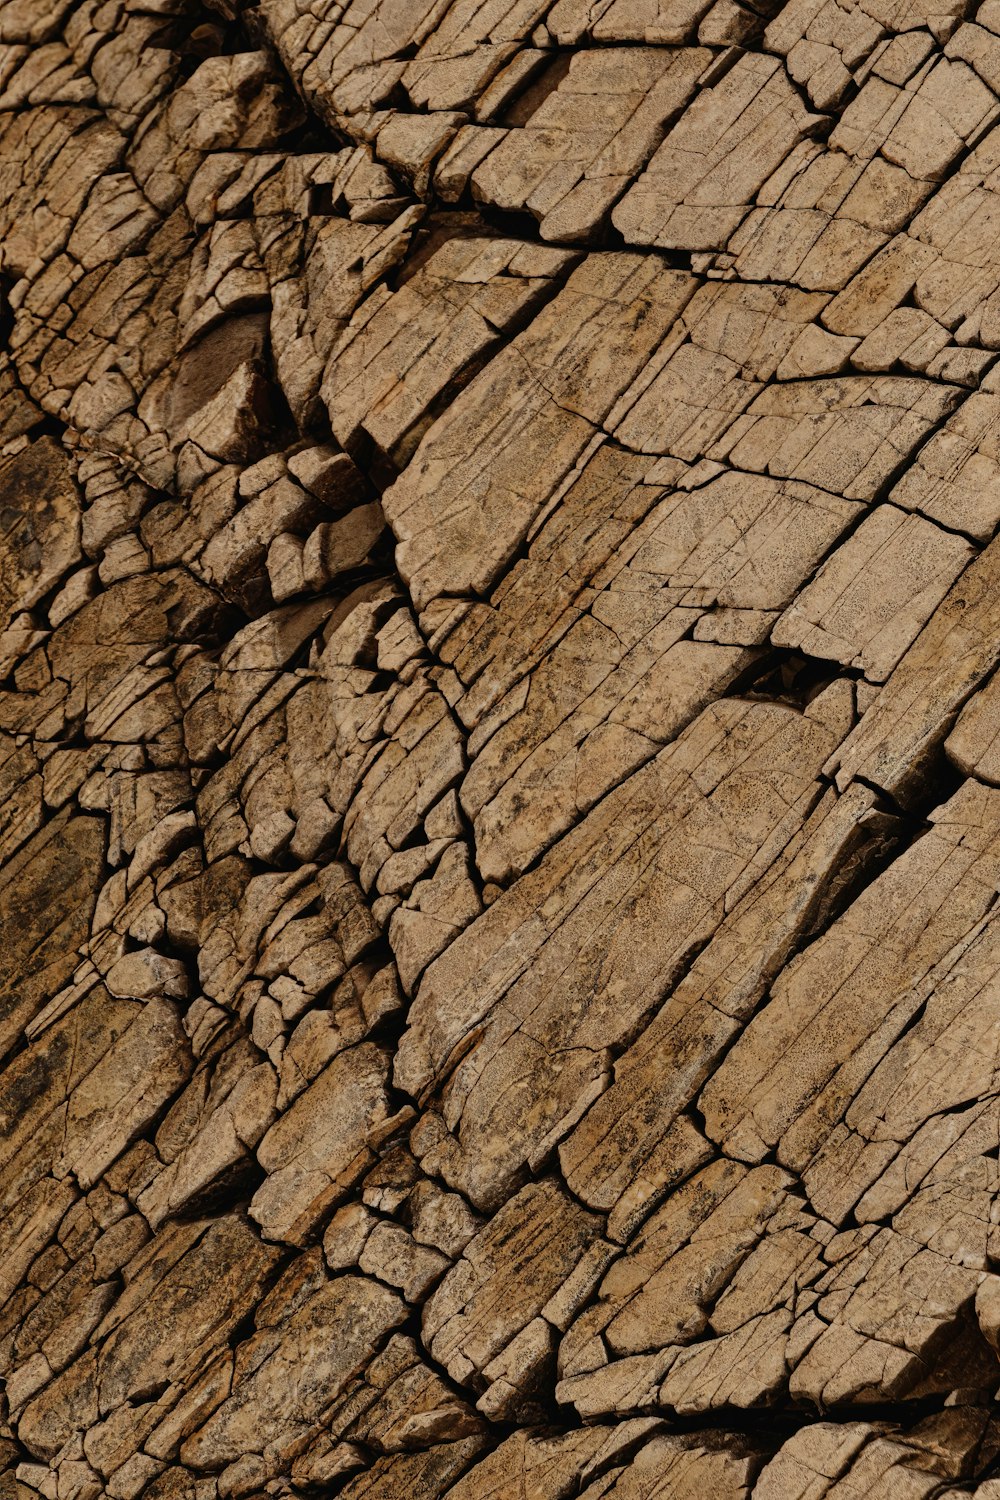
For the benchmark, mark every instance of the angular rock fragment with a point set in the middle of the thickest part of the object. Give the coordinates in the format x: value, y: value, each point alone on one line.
x: 41, y: 525
x: 896, y: 743
x: 299, y: 1368
x: 874, y: 595
x: 186, y: 1292
x: 402, y: 353
x: 636, y: 1141
x: 316, y: 1152
x: 47, y: 896
x: 538, y: 1257
x: 586, y: 140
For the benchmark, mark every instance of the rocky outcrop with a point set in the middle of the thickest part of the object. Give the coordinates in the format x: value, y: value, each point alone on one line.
x: 499, y: 786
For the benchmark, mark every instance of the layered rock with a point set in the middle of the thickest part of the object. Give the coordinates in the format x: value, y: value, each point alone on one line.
x: 499, y: 833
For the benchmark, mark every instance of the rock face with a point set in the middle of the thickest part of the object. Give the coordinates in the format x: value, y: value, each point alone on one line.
x: 499, y: 749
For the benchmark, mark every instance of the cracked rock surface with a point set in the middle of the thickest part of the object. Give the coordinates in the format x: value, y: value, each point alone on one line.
x: 500, y: 749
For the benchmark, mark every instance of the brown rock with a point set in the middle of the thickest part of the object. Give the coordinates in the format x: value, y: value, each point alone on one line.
x: 498, y: 827
x: 41, y: 525
x: 316, y: 1152
x: 297, y: 1372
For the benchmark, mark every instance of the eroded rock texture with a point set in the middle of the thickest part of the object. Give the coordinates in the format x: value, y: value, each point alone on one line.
x: 500, y: 749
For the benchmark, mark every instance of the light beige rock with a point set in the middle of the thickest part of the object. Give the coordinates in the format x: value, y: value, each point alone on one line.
x: 498, y: 858
x: 845, y: 434
x: 402, y: 352
x: 635, y: 1142
x: 792, y: 1086
x: 952, y: 479
x: 587, y: 139
x: 140, y: 976
x: 698, y: 185
x: 320, y: 1148
x: 895, y: 744
x: 124, y: 1092
x: 873, y: 596
x: 459, y: 515
x: 971, y: 746
x: 520, y: 1259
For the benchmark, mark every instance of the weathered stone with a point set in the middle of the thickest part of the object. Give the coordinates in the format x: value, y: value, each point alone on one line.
x: 898, y: 740
x: 185, y: 1293
x: 41, y: 525
x: 316, y: 1152
x: 519, y: 1261
x: 402, y: 351
x: 698, y: 185
x: 498, y: 843
x: 588, y: 137
x: 460, y: 513
x: 645, y: 857
x: 871, y: 599
x: 297, y: 1371
x: 142, y: 975
x: 47, y: 896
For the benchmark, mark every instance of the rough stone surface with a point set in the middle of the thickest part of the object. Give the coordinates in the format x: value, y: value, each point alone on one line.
x: 499, y: 749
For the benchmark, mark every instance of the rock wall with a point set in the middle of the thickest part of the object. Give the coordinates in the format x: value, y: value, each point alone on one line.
x: 499, y: 749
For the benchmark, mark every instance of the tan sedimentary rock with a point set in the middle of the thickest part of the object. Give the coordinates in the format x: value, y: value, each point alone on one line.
x: 499, y: 823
